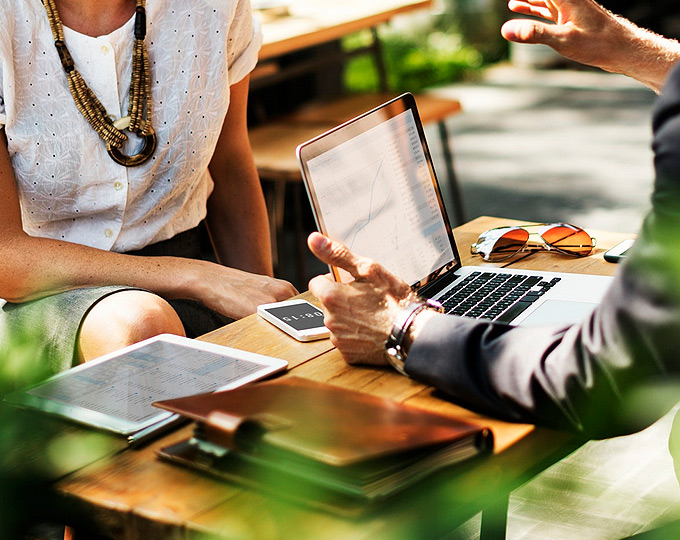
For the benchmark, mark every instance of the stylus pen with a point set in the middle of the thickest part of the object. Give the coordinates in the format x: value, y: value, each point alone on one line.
x: 154, y: 430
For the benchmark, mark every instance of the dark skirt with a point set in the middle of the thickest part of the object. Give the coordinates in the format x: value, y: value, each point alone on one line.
x: 50, y: 325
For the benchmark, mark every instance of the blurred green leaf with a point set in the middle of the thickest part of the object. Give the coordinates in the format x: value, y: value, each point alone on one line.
x: 34, y: 448
x: 414, y: 60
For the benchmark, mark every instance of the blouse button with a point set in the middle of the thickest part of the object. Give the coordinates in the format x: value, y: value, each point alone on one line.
x: 104, y: 49
x: 108, y: 233
x: 118, y: 186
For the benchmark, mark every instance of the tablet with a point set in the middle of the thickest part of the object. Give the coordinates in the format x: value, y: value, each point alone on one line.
x: 115, y: 392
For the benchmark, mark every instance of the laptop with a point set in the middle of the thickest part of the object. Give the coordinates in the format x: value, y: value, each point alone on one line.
x: 372, y: 186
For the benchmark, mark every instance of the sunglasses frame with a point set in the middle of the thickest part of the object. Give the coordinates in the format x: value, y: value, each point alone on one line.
x: 543, y: 246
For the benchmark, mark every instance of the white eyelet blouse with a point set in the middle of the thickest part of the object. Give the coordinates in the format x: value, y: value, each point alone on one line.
x: 69, y: 187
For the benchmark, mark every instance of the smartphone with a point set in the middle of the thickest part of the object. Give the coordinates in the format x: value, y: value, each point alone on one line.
x: 618, y: 252
x: 298, y: 318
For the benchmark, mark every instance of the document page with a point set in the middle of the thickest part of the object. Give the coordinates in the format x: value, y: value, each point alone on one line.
x: 376, y: 195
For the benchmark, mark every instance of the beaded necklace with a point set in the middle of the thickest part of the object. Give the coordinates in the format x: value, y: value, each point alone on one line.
x: 92, y: 109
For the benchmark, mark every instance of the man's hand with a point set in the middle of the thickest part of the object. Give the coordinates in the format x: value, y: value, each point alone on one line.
x: 586, y: 32
x: 359, y: 314
x: 583, y: 30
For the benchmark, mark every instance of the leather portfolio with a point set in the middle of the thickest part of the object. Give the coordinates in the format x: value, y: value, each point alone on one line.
x: 319, y: 443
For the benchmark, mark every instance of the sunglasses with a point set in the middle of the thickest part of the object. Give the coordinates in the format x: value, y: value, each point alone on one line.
x: 502, y: 243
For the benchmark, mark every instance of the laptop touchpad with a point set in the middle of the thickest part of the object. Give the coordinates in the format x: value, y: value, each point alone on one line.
x: 559, y: 312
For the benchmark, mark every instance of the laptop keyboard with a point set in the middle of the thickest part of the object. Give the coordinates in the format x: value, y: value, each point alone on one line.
x: 494, y: 296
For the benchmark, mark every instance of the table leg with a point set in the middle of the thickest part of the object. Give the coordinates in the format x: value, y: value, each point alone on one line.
x: 379, y: 58
x: 78, y: 534
x: 455, y: 193
x: 300, y: 236
x: 495, y: 520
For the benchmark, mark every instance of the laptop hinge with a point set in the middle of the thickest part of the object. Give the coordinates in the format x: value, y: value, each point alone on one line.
x: 438, y: 285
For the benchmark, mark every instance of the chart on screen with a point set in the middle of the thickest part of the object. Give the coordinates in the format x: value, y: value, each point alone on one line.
x: 376, y: 195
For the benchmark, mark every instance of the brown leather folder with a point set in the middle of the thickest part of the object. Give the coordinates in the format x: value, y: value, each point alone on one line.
x: 326, y: 437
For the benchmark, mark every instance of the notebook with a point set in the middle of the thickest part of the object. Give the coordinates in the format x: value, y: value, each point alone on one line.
x: 372, y: 185
x: 346, y: 451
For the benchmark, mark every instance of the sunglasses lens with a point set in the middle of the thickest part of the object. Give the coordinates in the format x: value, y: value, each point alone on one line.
x: 499, y: 244
x: 568, y: 239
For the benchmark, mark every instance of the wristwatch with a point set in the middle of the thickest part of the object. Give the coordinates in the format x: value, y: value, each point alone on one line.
x: 394, y: 351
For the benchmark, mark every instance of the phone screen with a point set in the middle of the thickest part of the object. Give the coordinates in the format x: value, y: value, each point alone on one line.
x: 302, y: 316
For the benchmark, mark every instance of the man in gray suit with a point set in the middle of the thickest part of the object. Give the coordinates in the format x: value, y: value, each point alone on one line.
x: 587, y: 377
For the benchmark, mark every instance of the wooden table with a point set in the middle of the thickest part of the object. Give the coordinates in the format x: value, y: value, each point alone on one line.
x: 133, y: 495
x: 312, y: 22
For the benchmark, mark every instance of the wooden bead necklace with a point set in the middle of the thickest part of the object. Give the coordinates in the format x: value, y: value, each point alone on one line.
x: 92, y: 109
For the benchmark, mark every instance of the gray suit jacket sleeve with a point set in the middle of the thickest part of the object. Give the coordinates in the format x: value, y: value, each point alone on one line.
x: 614, y: 373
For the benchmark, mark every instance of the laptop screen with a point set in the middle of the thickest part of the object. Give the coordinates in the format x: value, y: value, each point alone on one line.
x: 372, y: 186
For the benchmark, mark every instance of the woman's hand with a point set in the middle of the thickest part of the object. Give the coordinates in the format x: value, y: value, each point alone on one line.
x: 235, y: 293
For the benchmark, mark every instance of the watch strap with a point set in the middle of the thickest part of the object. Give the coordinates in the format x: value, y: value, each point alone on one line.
x: 394, y: 349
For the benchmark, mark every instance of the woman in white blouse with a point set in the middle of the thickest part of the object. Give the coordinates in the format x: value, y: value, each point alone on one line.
x: 75, y: 208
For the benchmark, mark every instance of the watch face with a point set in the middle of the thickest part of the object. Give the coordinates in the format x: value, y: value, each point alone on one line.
x: 395, y: 358
x: 301, y: 316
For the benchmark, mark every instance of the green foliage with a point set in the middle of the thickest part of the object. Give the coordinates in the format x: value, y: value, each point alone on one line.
x: 478, y: 22
x: 413, y: 62
x: 34, y: 449
x: 21, y: 441
x: 20, y: 363
x: 421, y: 52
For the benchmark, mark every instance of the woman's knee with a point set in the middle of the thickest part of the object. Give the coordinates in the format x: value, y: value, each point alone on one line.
x: 124, y: 318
